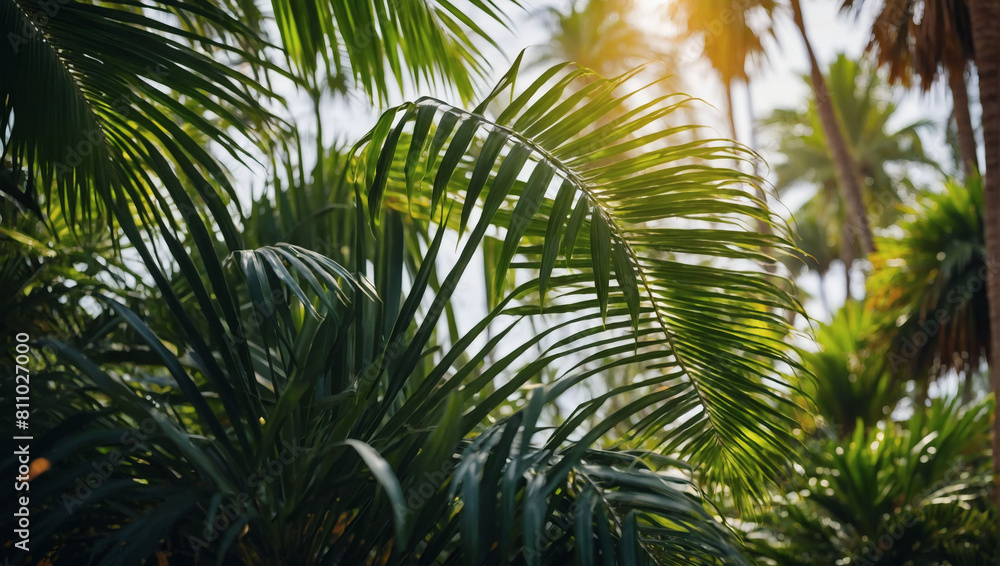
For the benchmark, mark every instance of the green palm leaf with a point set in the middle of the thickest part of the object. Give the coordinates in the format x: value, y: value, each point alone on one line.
x: 378, y: 42
x: 900, y: 492
x: 928, y: 287
x: 715, y: 407
x: 85, y: 114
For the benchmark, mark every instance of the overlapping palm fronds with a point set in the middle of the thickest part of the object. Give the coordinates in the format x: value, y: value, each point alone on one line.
x: 898, y: 493
x: 301, y: 403
x: 849, y: 382
x: 379, y: 43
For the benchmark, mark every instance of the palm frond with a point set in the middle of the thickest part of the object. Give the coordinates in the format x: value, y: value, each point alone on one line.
x: 376, y: 42
x: 631, y: 197
x: 929, y: 286
x: 84, y: 114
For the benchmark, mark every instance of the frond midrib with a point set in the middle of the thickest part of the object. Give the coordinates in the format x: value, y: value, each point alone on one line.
x: 65, y: 68
x: 574, y: 178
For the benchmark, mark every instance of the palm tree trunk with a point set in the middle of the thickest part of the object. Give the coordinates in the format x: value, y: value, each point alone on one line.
x: 752, y: 132
x: 986, y: 35
x: 968, y: 392
x: 963, y: 120
x: 847, y: 255
x: 845, y: 166
x: 822, y: 294
x: 729, y: 111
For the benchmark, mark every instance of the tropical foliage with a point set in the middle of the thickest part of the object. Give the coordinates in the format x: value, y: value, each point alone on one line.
x: 884, y: 154
x: 930, y: 287
x: 849, y: 382
x: 531, y: 313
x: 912, y: 492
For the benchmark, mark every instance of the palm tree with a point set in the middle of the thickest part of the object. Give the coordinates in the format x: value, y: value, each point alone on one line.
x: 849, y: 177
x: 856, y: 91
x: 600, y: 36
x: 729, y: 42
x: 929, y: 287
x: 922, y: 38
x: 296, y: 408
x: 48, y: 273
x: 850, y: 385
x: 818, y: 242
x: 985, y: 16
